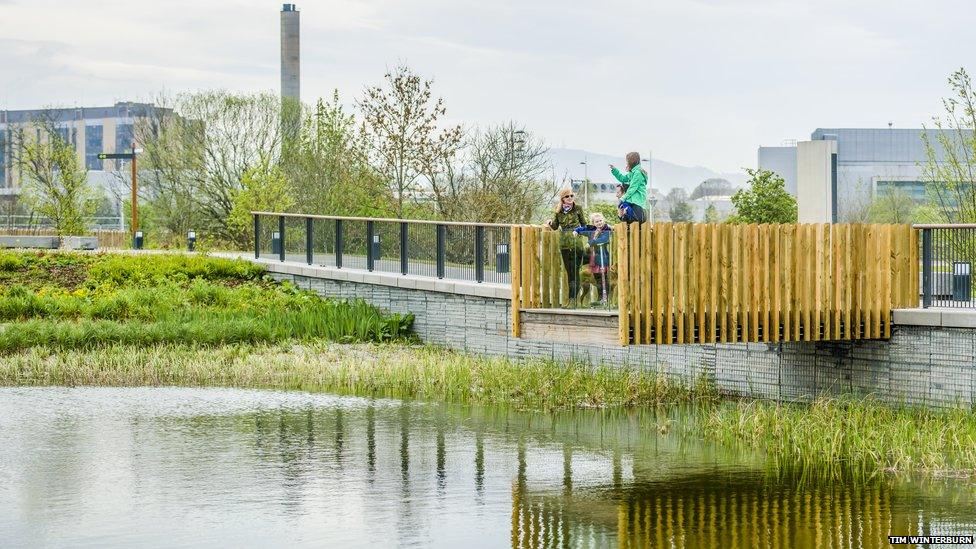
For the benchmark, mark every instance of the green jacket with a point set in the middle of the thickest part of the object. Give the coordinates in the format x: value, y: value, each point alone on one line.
x: 565, y: 222
x: 637, y: 191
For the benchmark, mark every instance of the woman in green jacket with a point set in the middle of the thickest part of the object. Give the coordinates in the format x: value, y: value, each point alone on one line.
x: 567, y: 217
x: 635, y: 181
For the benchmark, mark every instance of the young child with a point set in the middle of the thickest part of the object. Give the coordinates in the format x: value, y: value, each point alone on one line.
x: 598, y: 235
x: 634, y: 185
x: 625, y: 210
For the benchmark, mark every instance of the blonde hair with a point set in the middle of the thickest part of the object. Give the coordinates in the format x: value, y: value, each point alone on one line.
x: 563, y: 193
x: 596, y: 215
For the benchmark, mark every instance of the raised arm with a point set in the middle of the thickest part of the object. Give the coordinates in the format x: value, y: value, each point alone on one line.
x: 621, y: 177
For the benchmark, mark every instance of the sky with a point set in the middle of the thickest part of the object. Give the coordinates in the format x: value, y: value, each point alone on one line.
x: 699, y: 82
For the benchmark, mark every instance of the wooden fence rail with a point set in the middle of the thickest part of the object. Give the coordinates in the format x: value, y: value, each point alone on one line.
x: 724, y: 283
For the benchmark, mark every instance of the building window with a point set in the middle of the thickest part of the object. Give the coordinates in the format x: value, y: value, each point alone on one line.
x: 123, y: 138
x: 63, y: 135
x: 93, y: 146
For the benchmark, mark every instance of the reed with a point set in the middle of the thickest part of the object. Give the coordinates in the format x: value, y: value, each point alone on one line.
x: 834, y: 437
x: 401, y: 371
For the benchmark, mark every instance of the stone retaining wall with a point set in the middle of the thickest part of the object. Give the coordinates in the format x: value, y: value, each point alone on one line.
x: 919, y: 365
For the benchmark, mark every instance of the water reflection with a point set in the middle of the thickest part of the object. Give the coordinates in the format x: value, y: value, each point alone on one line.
x: 116, y: 467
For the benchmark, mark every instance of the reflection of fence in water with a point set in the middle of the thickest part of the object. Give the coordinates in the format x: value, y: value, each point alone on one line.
x: 721, y: 515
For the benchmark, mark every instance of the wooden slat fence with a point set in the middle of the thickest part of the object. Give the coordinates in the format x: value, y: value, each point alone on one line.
x: 722, y: 283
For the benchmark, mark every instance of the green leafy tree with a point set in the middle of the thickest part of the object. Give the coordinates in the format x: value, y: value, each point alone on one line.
x: 401, y: 131
x: 950, y: 166
x: 764, y: 201
x: 680, y: 210
x: 892, y: 206
x: 711, y: 214
x: 56, y: 184
x: 263, y: 188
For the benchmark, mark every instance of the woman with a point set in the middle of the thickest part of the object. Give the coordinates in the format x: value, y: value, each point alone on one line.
x: 635, y: 181
x: 569, y: 216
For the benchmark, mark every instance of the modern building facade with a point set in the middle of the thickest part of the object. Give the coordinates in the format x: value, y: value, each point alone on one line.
x: 868, y: 161
x: 89, y: 130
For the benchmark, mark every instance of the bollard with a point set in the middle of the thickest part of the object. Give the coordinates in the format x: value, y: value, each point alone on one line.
x: 191, y: 240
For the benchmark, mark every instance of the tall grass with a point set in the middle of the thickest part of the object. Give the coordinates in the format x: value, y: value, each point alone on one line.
x: 835, y: 437
x: 379, y: 370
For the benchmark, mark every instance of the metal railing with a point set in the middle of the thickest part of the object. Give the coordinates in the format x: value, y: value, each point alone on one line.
x: 477, y: 252
x: 948, y: 255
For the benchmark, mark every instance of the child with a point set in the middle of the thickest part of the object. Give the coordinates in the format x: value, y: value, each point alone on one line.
x: 635, y: 192
x: 625, y: 210
x: 598, y: 235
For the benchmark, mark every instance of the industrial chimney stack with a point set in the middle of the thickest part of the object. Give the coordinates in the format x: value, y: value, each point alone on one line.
x: 290, y: 77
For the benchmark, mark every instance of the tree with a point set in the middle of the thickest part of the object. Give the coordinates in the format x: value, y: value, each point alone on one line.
x: 401, y: 134
x: 892, y: 206
x: 327, y: 169
x: 711, y: 214
x: 56, y: 184
x: 499, y: 176
x: 712, y: 187
x: 263, y: 188
x: 680, y: 210
x: 764, y: 201
x: 950, y: 167
x: 197, y: 147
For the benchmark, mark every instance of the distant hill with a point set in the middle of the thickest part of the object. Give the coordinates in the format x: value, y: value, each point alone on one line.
x: 664, y: 176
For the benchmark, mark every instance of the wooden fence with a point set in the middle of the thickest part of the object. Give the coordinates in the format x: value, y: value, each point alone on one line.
x: 718, y: 283
x: 107, y: 239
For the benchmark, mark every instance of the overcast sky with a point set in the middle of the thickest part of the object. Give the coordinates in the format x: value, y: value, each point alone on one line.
x: 700, y: 82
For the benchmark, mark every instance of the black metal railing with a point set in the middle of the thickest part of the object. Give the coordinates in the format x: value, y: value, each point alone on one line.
x: 477, y: 252
x: 948, y: 254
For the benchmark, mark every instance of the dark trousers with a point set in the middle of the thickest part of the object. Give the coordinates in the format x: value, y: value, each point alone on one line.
x: 572, y: 261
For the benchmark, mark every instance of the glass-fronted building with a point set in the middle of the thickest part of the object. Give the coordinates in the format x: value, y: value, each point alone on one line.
x: 868, y: 161
x: 88, y: 130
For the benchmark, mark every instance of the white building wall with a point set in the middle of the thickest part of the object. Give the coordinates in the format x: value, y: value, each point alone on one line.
x: 814, y: 196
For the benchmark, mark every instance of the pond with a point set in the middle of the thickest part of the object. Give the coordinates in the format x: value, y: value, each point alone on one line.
x: 169, y: 467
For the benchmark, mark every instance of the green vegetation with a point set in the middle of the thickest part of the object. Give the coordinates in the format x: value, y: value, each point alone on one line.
x: 96, y: 300
x: 834, y: 437
x: 400, y: 371
x: 765, y: 201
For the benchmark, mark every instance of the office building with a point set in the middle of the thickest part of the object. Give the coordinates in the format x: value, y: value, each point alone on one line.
x: 864, y: 161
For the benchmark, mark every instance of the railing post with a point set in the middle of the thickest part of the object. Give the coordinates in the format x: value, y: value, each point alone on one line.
x: 404, y: 227
x: 338, y: 243
x: 369, y: 245
x: 257, y: 236
x: 926, y: 268
x: 309, y: 241
x: 281, y: 238
x: 441, y: 245
x: 479, y: 254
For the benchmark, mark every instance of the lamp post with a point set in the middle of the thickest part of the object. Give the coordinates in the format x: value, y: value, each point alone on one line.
x: 651, y: 202
x: 586, y: 185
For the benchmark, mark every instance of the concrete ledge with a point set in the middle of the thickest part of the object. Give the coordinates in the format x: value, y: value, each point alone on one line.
x: 412, y: 282
x: 935, y: 316
x: 30, y: 241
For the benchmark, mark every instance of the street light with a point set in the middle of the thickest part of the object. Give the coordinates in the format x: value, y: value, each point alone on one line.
x: 651, y: 201
x: 586, y: 185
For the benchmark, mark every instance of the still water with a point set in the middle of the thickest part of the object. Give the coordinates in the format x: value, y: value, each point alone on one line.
x: 166, y: 467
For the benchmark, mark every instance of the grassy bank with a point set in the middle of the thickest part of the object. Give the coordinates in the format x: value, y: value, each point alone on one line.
x: 90, y: 300
x: 393, y: 370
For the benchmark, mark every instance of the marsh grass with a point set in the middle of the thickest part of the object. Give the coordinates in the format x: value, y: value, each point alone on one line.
x: 402, y: 371
x: 836, y: 437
